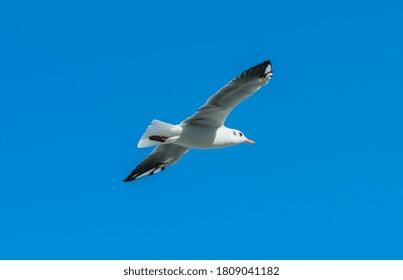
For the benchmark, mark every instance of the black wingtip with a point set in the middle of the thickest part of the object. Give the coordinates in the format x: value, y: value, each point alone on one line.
x: 265, y: 69
x: 267, y: 62
x: 263, y: 64
x: 128, y: 179
x: 262, y: 70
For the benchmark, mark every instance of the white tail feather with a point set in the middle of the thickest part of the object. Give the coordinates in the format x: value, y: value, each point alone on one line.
x: 158, y: 128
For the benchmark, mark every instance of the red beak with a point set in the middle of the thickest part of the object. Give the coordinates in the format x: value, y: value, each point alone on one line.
x: 250, y: 142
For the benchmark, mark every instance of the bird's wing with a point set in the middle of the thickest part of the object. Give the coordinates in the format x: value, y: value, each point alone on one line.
x: 218, y: 106
x: 161, y: 157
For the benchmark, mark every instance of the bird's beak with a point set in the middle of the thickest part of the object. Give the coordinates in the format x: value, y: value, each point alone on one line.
x: 250, y: 141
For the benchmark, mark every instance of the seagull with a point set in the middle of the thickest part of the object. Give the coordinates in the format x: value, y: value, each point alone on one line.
x: 205, y: 129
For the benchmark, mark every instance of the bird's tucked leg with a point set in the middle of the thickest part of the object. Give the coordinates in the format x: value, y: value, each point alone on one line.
x: 158, y: 138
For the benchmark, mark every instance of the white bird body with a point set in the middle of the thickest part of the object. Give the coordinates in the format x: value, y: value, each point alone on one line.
x: 205, y: 129
x: 193, y: 136
x: 207, y: 137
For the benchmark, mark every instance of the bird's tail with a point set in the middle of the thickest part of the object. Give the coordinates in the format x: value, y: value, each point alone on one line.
x: 158, y: 132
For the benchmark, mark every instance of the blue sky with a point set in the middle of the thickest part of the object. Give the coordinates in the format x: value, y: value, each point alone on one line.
x: 80, y: 82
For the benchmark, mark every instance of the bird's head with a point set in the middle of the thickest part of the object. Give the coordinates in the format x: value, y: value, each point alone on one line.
x: 239, y: 137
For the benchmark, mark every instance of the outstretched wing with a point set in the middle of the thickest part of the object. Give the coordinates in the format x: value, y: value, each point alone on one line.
x: 218, y: 106
x: 161, y: 157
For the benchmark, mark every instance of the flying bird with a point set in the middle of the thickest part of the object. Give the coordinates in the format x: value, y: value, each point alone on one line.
x: 205, y: 129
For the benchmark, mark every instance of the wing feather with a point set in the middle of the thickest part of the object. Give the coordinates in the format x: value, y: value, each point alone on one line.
x: 218, y: 106
x: 161, y: 157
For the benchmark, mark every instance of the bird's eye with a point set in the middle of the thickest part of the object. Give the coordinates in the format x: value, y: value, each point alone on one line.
x: 234, y: 132
x: 240, y: 134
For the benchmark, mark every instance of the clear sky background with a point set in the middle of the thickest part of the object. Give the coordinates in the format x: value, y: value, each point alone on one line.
x: 80, y: 82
